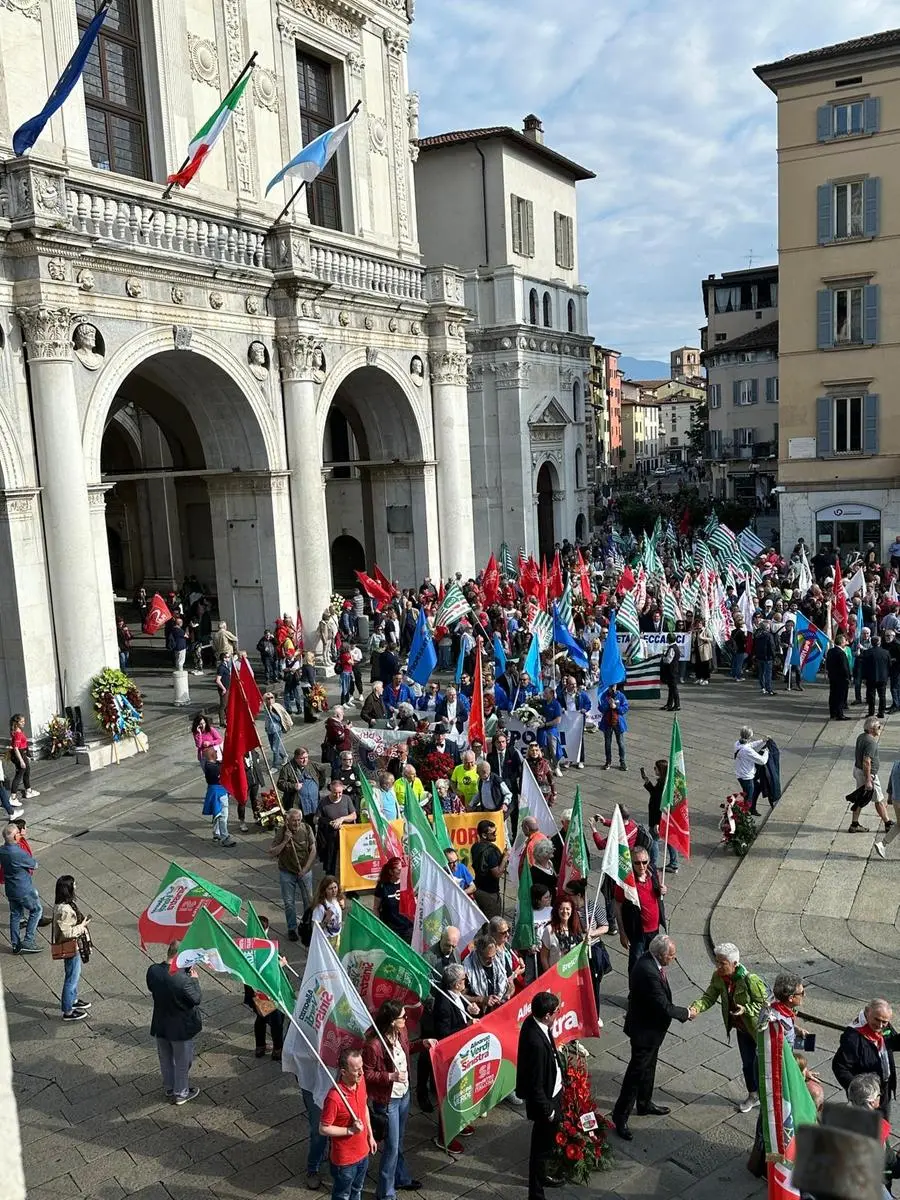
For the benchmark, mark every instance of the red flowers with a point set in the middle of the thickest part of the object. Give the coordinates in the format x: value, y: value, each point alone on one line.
x: 579, y: 1152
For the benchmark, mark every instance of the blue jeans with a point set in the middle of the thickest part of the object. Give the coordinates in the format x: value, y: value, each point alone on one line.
x: 27, y: 902
x: 70, y: 985
x: 620, y: 742
x: 276, y: 746
x: 392, y: 1171
x: 445, y: 656
x: 318, y: 1145
x: 6, y: 800
x: 656, y: 850
x: 765, y: 675
x: 346, y: 686
x: 291, y: 883
x: 737, y: 665
x: 124, y: 658
x: 749, y: 1061
x: 220, y: 823
x: 349, y: 1180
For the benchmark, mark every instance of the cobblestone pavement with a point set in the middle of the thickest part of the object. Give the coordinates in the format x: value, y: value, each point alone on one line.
x: 93, y: 1118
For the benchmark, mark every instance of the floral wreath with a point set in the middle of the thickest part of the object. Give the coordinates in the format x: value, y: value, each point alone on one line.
x: 580, y: 1147
x: 118, y: 705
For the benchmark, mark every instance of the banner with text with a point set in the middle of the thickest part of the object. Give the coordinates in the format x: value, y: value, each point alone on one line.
x: 655, y: 643
x: 570, y: 734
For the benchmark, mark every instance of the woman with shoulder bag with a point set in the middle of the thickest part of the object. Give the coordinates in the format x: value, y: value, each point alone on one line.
x: 69, y: 935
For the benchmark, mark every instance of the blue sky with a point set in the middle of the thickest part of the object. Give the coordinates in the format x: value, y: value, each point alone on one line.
x: 658, y: 97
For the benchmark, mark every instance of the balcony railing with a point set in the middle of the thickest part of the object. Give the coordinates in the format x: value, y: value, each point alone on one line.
x: 366, y: 273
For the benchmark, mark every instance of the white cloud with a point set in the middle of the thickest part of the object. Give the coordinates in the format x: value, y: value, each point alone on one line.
x: 658, y: 97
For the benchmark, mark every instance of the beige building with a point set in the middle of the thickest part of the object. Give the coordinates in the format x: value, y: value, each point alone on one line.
x: 839, y: 253
x: 640, y: 429
x: 677, y: 398
x: 741, y: 360
x: 684, y: 363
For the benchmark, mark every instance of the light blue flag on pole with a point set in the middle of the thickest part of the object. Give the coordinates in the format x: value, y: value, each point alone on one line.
x: 564, y: 638
x: 532, y: 664
x: 422, y: 654
x: 313, y: 159
x: 460, y: 661
x: 810, y: 645
x: 499, y: 656
x: 612, y: 669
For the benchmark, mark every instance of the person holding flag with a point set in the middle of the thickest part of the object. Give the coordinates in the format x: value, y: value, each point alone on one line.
x: 345, y: 1121
x: 175, y: 1023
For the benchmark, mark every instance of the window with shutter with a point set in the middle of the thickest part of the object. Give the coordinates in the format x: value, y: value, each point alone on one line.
x: 823, y: 427
x: 772, y: 389
x: 824, y: 123
x: 824, y: 335
x: 314, y: 79
x: 871, y: 295
x: 870, y: 423
x: 563, y: 229
x: 871, y: 206
x: 515, y: 226
x: 872, y: 114
x: 824, y: 217
x: 528, y: 238
x: 847, y: 207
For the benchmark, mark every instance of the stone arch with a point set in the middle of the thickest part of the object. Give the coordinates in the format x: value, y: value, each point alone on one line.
x: 12, y: 465
x: 240, y: 395
x: 546, y: 491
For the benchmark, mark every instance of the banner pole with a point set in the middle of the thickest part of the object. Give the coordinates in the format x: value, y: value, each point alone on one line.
x: 319, y: 1060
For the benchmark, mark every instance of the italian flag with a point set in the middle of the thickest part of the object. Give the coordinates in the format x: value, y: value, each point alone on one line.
x: 617, y: 862
x: 207, y: 136
x: 675, y: 825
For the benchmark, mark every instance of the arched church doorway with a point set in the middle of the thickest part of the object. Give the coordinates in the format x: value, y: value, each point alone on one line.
x: 581, y: 528
x: 375, y: 480
x: 546, y: 529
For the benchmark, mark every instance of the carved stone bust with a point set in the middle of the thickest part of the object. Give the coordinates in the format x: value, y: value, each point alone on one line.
x: 319, y: 365
x: 417, y: 370
x: 85, y: 341
x: 258, y: 361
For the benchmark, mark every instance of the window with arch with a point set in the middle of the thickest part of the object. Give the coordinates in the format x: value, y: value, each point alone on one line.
x: 533, y: 306
x: 579, y: 467
x: 576, y: 401
x: 570, y: 316
x: 548, y: 310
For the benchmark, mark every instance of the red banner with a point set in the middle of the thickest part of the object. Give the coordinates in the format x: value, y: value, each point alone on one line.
x: 157, y: 615
x: 476, y: 1068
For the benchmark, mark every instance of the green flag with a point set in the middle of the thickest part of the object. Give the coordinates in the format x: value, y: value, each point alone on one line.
x: 442, y: 837
x: 575, y: 860
x: 249, y: 959
x: 386, y: 840
x: 524, y: 936
x: 168, y: 915
x: 675, y: 824
x: 420, y: 838
x: 380, y: 964
x: 270, y: 968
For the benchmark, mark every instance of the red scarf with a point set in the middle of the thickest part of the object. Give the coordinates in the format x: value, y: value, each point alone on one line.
x: 785, y: 1010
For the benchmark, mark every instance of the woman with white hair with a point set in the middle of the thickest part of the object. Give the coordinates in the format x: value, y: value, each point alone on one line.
x: 741, y: 996
x: 748, y: 755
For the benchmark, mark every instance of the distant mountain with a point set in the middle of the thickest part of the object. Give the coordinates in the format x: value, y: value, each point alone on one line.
x: 643, y: 368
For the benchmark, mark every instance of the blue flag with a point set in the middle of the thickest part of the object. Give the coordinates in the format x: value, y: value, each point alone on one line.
x: 313, y: 159
x: 499, y: 656
x: 564, y: 638
x: 26, y: 135
x: 532, y: 664
x: 460, y: 661
x: 859, y: 627
x: 422, y: 654
x: 810, y: 645
x: 612, y: 669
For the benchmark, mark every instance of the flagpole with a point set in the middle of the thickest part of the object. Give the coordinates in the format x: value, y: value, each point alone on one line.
x: 290, y: 1017
x: 248, y: 66
x: 259, y: 745
x: 352, y: 113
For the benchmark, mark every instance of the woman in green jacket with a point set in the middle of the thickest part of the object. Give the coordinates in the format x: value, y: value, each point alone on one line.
x: 741, y: 996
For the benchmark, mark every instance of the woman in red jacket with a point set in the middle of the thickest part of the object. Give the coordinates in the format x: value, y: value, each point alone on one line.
x: 386, y: 1067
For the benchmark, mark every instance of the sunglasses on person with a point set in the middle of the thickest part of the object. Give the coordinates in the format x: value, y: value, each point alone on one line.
x: 642, y: 862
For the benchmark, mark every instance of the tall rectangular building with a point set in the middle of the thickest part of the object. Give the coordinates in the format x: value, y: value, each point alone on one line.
x: 839, y: 258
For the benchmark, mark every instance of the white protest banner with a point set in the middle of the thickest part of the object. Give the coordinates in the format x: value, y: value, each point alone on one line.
x: 570, y: 734
x: 655, y: 643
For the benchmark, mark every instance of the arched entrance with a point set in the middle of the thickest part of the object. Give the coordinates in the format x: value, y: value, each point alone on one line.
x: 376, y: 481
x: 581, y: 528
x: 547, y: 482
x: 190, y: 490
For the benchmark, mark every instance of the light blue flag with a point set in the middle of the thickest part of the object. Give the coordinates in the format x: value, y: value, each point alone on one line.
x: 810, y: 645
x: 532, y: 664
x: 564, y: 638
x: 313, y: 159
x: 422, y: 654
x: 859, y: 626
x: 612, y: 669
x: 460, y: 661
x: 499, y: 656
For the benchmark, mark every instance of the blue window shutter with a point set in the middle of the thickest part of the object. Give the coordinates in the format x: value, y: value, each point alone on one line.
x: 871, y: 297
x: 754, y: 391
x: 871, y: 206
x: 824, y: 338
x: 824, y: 213
x: 736, y: 391
x: 824, y: 123
x: 823, y: 427
x: 870, y: 423
x: 770, y: 390
x: 872, y: 114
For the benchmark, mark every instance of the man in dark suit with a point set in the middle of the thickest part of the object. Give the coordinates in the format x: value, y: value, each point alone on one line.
x: 837, y: 667
x: 176, y: 1022
x: 507, y: 763
x: 648, y: 1017
x: 539, y: 1079
x: 876, y: 672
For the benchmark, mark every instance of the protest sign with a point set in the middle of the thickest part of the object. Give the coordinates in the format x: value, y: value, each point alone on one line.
x: 359, y: 853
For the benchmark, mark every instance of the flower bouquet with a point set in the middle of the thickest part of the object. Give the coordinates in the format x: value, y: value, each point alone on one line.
x: 318, y: 698
x: 528, y: 716
x: 269, y: 811
x: 435, y: 765
x: 581, y: 1141
x: 61, y: 735
x: 118, y: 705
x: 737, y: 825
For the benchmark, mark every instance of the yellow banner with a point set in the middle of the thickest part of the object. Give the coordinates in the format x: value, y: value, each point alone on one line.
x: 359, y: 857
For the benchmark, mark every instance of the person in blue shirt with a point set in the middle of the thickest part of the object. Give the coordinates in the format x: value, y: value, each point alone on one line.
x: 574, y: 699
x: 397, y: 693
x: 501, y: 698
x: 21, y: 893
x: 460, y: 872
x: 547, y: 734
x: 613, y: 707
x: 526, y: 691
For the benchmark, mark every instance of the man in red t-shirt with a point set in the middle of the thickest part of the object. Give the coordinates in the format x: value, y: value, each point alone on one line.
x: 351, y: 1136
x: 639, y: 924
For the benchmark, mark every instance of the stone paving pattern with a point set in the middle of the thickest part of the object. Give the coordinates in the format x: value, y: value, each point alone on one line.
x: 93, y: 1118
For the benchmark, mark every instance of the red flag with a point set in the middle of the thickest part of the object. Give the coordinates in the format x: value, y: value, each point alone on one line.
x: 584, y: 576
x: 684, y: 525
x: 529, y: 577
x: 300, y: 645
x: 240, y: 738
x: 544, y: 589
x: 384, y: 581
x: 476, y: 714
x: 252, y: 693
x: 839, y: 608
x: 556, y: 579
x: 490, y: 581
x: 373, y: 589
x: 157, y: 615
x: 626, y: 583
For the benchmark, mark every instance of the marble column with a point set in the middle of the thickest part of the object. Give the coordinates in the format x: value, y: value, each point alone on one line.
x: 450, y: 406
x: 312, y: 557
x: 68, y: 528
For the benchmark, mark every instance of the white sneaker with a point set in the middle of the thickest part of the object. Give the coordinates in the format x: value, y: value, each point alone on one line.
x: 31, y: 794
x: 17, y: 811
x: 750, y: 1102
x: 579, y: 766
x: 514, y: 1100
x: 558, y: 771
x: 879, y: 849
x: 243, y: 826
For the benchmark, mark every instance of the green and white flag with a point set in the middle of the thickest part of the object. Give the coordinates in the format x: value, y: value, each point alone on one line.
x: 524, y: 934
x: 381, y: 966
x: 252, y: 959
x: 565, y: 607
x: 453, y: 607
x: 440, y: 902
x: 575, y: 858
x: 675, y: 825
x: 542, y: 626
x: 507, y: 566
x: 617, y: 862
x: 440, y: 825
x: 419, y: 835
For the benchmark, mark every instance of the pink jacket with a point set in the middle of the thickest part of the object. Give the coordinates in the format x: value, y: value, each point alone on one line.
x: 205, y: 738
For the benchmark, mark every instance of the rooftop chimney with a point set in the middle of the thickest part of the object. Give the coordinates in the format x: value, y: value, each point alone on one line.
x: 533, y: 128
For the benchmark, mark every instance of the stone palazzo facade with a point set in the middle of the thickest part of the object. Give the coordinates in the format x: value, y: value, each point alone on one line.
x: 187, y: 386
